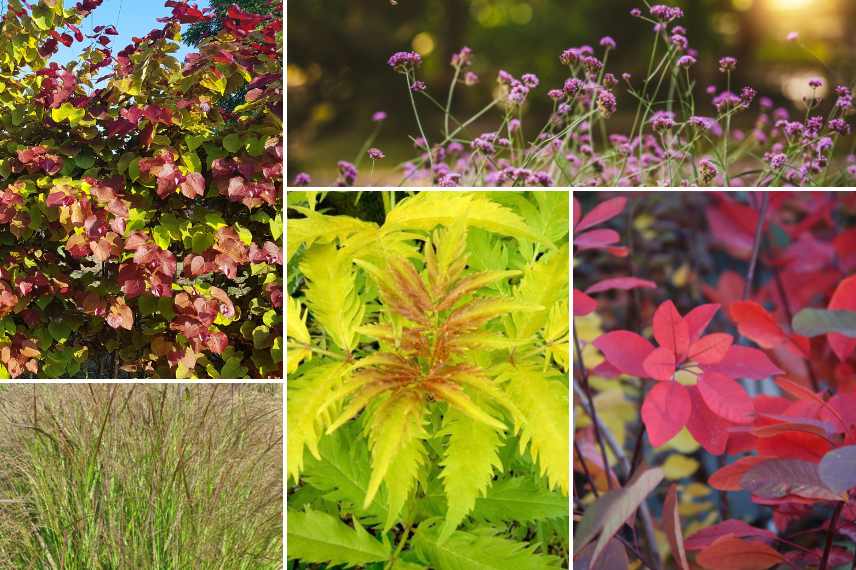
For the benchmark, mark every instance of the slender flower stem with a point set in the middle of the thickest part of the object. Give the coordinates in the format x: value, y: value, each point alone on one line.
x: 418, y: 121
x: 449, y: 101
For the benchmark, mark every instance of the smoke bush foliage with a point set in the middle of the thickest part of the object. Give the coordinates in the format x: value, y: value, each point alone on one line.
x: 137, y: 217
x: 676, y: 138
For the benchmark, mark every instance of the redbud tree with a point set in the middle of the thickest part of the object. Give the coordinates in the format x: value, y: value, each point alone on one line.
x: 140, y: 221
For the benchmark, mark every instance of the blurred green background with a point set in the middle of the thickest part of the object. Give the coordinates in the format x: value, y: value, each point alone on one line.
x: 337, y: 51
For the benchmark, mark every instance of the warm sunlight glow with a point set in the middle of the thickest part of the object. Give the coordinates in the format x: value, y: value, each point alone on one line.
x: 790, y: 4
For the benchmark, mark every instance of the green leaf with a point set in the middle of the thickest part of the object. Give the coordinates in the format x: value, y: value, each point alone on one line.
x: 233, y: 369
x: 245, y: 235
x: 68, y: 111
x: 161, y: 236
x: 84, y: 160
x: 147, y: 304
x: 520, y: 499
x: 468, y: 551
x: 165, y: 306
x: 468, y: 465
x: 276, y: 226
x: 816, y: 322
x: 59, y: 329
x: 269, y: 318
x: 342, y: 474
x: 232, y: 143
x: 194, y: 141
x: 202, y: 239
x: 317, y: 537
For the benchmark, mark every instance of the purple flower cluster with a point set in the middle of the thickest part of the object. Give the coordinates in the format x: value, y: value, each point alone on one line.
x: 404, y: 61
x: 671, y: 146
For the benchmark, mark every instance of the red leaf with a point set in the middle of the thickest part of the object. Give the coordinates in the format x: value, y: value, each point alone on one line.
x: 623, y: 283
x: 726, y: 398
x: 777, y: 478
x: 665, y: 411
x: 660, y: 364
x: 583, y: 304
x: 596, y: 239
x: 578, y: 212
x: 845, y: 248
x: 710, y: 349
x: 698, y: 319
x: 672, y: 525
x: 728, y: 478
x: 744, y: 362
x: 844, y: 297
x: 670, y: 330
x: 730, y: 553
x: 755, y: 323
x: 625, y: 350
x: 794, y: 445
x: 708, y: 429
x: 600, y: 213
x: 731, y: 527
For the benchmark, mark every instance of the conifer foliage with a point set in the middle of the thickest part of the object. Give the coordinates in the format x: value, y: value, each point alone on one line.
x: 140, y: 224
x: 427, y: 387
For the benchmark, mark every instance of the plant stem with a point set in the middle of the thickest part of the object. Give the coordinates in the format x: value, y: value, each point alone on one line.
x: 824, y: 562
x: 756, y: 245
x: 449, y: 101
x: 585, y: 382
x: 419, y: 121
x: 586, y: 470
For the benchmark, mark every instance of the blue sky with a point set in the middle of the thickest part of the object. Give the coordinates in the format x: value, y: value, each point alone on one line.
x: 132, y: 18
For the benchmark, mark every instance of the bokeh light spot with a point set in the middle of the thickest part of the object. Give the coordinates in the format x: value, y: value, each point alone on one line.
x: 423, y: 43
x: 521, y: 14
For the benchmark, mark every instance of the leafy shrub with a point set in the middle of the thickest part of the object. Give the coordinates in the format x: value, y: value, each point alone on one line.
x: 679, y: 135
x: 128, y: 476
x: 770, y: 384
x: 427, y: 362
x: 138, y: 219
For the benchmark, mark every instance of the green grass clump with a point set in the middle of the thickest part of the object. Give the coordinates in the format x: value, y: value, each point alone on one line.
x: 128, y: 476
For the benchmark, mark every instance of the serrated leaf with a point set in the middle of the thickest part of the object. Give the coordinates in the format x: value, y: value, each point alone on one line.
x: 467, y: 551
x: 520, y: 499
x: 305, y: 398
x: 395, y: 433
x: 468, y: 465
x: 426, y: 210
x: 544, y: 283
x: 317, y: 537
x: 319, y: 228
x: 543, y: 404
x: 331, y: 294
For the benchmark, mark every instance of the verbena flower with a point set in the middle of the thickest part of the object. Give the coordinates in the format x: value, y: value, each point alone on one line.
x: 418, y: 86
x: 606, y: 103
x: 302, y: 179
x: 463, y: 57
x: 376, y: 154
x: 792, y: 36
x: 347, y: 173
x: 471, y: 78
x: 727, y: 63
x: 379, y: 116
x: 686, y: 61
x: 666, y: 13
x: 404, y: 61
x: 607, y: 42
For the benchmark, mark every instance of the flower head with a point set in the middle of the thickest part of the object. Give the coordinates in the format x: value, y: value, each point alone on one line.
x: 347, y: 173
x: 727, y: 64
x: 462, y: 58
x: 815, y: 83
x: 607, y: 42
x: 686, y: 61
x: 379, y: 116
x: 792, y: 36
x: 606, y: 103
x: 707, y: 171
x: 418, y: 86
x: 376, y: 154
x: 302, y: 179
x: 666, y: 13
x: 530, y: 80
x: 403, y: 61
x: 471, y: 78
